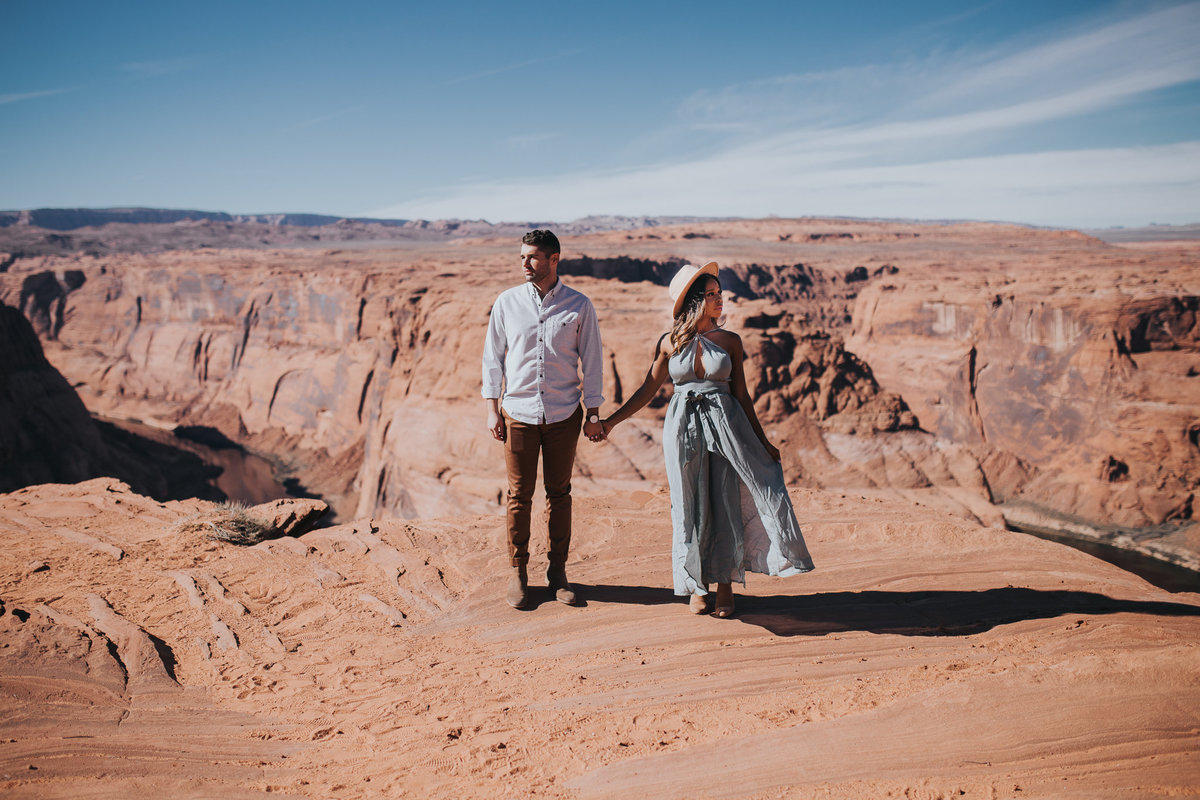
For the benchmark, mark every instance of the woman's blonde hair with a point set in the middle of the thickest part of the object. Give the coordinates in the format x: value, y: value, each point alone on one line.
x: 684, y: 328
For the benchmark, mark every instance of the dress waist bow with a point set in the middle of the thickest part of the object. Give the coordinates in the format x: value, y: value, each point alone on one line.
x: 699, y: 430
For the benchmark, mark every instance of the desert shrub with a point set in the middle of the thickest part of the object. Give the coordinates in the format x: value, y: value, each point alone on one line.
x: 228, y: 522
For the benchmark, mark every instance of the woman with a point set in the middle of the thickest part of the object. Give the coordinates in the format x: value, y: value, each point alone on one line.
x: 730, y: 511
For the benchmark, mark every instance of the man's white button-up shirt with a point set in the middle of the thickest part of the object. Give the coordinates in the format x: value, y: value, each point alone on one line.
x: 535, y: 349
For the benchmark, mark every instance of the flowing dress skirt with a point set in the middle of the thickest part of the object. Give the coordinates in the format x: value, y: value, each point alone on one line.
x: 730, y: 511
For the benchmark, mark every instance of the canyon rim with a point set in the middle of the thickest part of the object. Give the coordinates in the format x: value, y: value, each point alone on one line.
x: 929, y: 385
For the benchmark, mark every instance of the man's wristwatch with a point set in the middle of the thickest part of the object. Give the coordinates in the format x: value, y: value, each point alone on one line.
x: 594, y: 418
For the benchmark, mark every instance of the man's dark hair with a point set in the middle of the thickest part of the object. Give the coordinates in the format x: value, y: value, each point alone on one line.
x: 545, y: 241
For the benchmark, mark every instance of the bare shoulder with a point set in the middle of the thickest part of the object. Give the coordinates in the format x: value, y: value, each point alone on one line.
x: 729, y: 341
x: 663, y: 346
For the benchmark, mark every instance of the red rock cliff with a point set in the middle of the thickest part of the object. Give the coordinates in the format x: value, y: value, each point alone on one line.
x: 1062, y: 364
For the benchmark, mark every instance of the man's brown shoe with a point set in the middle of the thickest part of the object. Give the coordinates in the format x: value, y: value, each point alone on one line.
x: 556, y: 579
x: 518, y: 587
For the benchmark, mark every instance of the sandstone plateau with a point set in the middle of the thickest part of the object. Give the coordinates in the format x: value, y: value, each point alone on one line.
x: 929, y: 386
x: 1040, y: 379
x: 926, y: 657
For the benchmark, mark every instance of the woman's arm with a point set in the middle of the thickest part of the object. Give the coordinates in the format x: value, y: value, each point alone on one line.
x: 737, y: 386
x: 655, y: 376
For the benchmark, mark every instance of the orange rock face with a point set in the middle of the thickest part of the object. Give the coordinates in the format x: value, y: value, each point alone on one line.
x: 925, y: 657
x: 960, y: 363
x: 45, y: 432
x: 1070, y: 368
x: 904, y: 370
x: 47, y: 436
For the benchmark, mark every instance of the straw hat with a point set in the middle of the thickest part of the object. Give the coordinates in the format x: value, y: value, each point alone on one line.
x: 683, y: 281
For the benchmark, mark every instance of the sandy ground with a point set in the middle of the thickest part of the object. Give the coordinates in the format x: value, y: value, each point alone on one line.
x: 924, y: 658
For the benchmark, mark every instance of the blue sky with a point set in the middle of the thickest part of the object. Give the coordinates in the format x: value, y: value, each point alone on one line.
x: 1061, y: 113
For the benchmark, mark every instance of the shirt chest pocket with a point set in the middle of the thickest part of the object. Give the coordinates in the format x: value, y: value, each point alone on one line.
x: 563, y: 332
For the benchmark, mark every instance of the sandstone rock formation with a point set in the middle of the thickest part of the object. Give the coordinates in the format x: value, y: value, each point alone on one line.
x: 925, y: 657
x: 1076, y: 387
x: 963, y: 364
x: 357, y: 376
x: 905, y: 370
x: 290, y: 516
x: 47, y: 435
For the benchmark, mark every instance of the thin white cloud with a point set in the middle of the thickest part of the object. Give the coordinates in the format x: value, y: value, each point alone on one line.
x: 954, y: 19
x: 532, y: 140
x: 16, y: 98
x: 967, y: 92
x: 510, y: 67
x: 811, y: 98
x: 1081, y: 188
x: 1080, y: 101
x: 162, y: 66
x: 308, y: 123
x: 1160, y: 42
x: 724, y: 127
x: 804, y: 144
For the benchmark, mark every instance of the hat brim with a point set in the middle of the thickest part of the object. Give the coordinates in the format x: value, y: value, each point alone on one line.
x: 710, y: 268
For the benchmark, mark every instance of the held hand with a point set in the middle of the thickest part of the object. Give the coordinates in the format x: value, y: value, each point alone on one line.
x: 594, y: 431
x: 772, y: 451
x: 496, y: 425
x: 608, y: 425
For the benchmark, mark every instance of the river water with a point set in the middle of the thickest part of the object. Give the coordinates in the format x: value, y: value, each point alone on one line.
x: 1162, y: 574
x: 244, y: 477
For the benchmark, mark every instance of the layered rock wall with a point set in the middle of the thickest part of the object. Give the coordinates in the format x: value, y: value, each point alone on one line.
x: 976, y: 361
x: 1082, y: 402
x: 362, y: 379
x: 46, y: 435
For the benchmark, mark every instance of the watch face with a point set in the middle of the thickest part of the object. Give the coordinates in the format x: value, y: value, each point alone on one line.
x: 593, y: 418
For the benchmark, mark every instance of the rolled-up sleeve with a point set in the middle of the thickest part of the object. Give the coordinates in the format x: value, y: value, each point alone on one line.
x: 591, y: 358
x: 494, y: 349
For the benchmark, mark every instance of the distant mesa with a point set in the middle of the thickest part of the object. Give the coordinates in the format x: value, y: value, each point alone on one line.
x: 69, y: 219
x: 104, y: 231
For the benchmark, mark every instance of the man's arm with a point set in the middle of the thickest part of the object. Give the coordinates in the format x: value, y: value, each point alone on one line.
x: 495, y: 420
x: 495, y: 345
x: 591, y: 359
x: 593, y: 430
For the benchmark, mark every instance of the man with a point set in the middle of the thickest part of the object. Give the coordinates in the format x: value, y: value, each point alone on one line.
x: 539, y: 337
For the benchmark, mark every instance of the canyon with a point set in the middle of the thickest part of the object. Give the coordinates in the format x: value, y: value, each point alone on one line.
x: 926, y: 657
x: 1036, y: 378
x: 929, y: 386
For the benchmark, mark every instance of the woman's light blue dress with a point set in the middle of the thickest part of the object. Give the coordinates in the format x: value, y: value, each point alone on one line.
x: 730, y: 511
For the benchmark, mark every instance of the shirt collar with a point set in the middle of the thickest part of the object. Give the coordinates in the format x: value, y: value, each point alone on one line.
x: 553, y: 291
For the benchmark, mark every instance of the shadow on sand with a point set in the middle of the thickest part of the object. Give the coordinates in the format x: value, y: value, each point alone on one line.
x: 927, y: 613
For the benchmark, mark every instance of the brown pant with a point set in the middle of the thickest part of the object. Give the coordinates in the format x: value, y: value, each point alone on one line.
x: 556, y: 442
